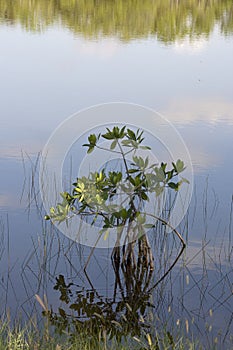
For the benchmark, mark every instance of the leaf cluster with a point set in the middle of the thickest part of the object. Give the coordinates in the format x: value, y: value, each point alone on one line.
x: 118, y: 196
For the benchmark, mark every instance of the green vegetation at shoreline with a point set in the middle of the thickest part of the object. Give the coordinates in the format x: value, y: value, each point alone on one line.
x: 164, y: 19
x: 29, y: 338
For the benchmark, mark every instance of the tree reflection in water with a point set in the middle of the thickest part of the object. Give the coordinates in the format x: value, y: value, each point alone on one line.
x: 129, y: 311
x: 165, y: 19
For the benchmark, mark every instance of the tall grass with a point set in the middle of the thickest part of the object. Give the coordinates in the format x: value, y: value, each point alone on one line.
x: 31, y: 338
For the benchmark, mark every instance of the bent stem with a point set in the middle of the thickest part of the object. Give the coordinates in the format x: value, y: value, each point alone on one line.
x: 178, y: 256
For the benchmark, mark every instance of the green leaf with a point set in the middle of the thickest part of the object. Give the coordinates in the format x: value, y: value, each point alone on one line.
x: 134, y: 144
x: 131, y: 179
x: 141, y: 219
x: 122, y: 132
x: 170, y: 174
x: 150, y: 179
x: 52, y: 210
x: 116, y: 132
x: 145, y: 147
x: 108, y: 136
x: 137, y: 180
x: 113, y: 145
x: 174, y: 186
x: 92, y: 139
x: 131, y: 134
x: 119, y: 176
x: 91, y: 149
x: 144, y: 196
x: 149, y: 226
x: 185, y: 180
x: 163, y: 166
x: 160, y: 174
x: 124, y: 213
x: 179, y: 166
x: 117, y: 214
x: 126, y: 143
x: 131, y: 171
x: 139, y: 134
x: 174, y: 166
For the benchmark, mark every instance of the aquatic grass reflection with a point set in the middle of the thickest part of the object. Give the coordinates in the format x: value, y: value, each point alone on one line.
x: 164, y: 19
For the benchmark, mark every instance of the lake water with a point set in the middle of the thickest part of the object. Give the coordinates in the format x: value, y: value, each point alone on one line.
x: 175, y: 58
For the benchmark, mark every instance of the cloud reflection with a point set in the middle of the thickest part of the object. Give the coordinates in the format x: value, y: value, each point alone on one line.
x: 190, y: 47
x: 189, y: 110
x: 104, y: 48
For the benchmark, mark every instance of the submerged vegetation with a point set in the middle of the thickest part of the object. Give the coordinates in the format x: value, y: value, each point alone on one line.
x: 165, y: 19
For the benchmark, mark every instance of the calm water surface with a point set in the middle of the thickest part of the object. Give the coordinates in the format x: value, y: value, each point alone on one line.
x: 176, y: 59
